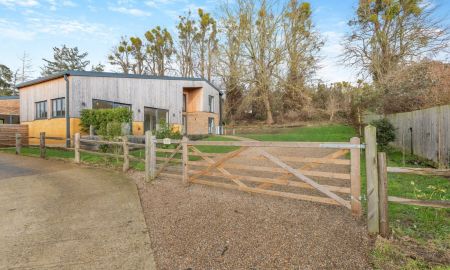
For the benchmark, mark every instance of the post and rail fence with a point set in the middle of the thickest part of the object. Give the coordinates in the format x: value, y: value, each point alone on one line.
x: 376, y: 169
x: 377, y: 186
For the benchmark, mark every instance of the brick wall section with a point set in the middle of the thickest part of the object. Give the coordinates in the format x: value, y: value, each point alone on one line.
x: 197, y: 122
x: 9, y: 106
x: 8, y: 134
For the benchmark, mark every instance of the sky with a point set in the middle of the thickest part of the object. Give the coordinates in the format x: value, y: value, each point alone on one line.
x: 36, y: 26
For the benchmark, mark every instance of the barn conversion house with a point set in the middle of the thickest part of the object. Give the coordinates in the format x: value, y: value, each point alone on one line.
x: 53, y: 104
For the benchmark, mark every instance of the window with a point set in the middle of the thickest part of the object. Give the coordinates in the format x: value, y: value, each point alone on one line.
x: 41, y: 110
x: 210, y: 125
x: 58, y: 107
x: 104, y: 104
x: 211, y: 103
x: 184, y: 102
x: 153, y: 117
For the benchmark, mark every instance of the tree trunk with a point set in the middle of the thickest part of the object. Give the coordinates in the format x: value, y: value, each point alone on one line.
x: 269, y: 117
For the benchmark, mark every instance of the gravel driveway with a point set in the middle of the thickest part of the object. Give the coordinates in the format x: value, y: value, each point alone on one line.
x: 202, y: 227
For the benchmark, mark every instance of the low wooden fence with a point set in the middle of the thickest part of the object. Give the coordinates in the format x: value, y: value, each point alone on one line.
x: 377, y: 186
x: 150, y: 159
x: 20, y: 141
x: 8, y: 134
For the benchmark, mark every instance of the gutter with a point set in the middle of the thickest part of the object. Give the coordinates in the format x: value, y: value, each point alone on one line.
x: 67, y: 112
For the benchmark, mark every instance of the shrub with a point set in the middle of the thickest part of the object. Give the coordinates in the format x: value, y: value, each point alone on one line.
x: 166, y: 131
x: 385, y: 132
x: 100, y: 119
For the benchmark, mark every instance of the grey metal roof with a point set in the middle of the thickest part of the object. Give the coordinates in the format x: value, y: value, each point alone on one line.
x: 8, y: 97
x: 109, y: 74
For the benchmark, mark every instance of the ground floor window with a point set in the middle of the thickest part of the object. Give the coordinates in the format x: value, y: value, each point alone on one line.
x: 41, y: 110
x: 58, y: 107
x: 153, y: 117
x: 104, y: 104
x: 211, y: 126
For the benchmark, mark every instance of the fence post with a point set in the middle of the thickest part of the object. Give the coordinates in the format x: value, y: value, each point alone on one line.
x: 91, y: 131
x: 150, y: 156
x: 184, y: 143
x: 77, y: 147
x: 370, y: 135
x: 18, y: 143
x: 126, y: 158
x: 42, y: 144
x: 355, y: 176
x: 148, y: 138
x: 234, y: 132
x: 383, y: 193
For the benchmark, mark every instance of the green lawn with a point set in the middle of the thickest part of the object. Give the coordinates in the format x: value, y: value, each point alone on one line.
x: 217, y: 149
x: 324, y: 133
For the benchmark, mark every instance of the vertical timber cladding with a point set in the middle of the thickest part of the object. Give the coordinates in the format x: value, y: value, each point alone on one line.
x: 8, y: 134
x: 430, y: 134
x: 140, y: 93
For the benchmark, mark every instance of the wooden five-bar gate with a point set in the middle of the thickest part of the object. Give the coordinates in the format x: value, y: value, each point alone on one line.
x: 291, y: 176
x: 312, y: 171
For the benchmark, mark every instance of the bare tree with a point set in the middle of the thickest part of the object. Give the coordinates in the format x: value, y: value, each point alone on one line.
x: 387, y: 33
x: 232, y: 70
x: 138, y: 53
x: 160, y: 49
x: 187, y: 32
x: 26, y: 68
x: 302, y: 43
x: 263, y: 50
x: 120, y: 55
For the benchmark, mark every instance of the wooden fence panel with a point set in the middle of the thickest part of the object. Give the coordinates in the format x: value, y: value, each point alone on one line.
x: 8, y: 134
x: 425, y: 133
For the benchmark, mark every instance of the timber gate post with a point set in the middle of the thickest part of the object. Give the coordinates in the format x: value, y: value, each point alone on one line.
x: 383, y: 193
x: 42, y: 144
x: 370, y: 135
x: 185, y: 160
x: 150, y: 156
x: 18, y: 143
x: 126, y: 158
x: 148, y: 140
x: 355, y: 177
x: 77, y: 147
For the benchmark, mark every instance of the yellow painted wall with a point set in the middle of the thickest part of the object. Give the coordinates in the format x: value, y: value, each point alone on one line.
x: 138, y: 128
x: 54, y: 127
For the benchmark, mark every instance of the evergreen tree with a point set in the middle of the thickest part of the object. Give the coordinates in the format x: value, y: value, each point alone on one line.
x: 65, y: 58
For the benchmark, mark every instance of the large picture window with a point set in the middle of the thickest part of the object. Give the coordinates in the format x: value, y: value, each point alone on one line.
x: 153, y: 117
x: 41, y: 110
x: 211, y: 103
x: 104, y: 104
x: 58, y: 107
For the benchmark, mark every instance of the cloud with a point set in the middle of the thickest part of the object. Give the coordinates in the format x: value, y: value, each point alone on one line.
x: 31, y: 28
x: 20, y: 3
x: 68, y: 3
x: 13, y: 30
x: 131, y: 11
